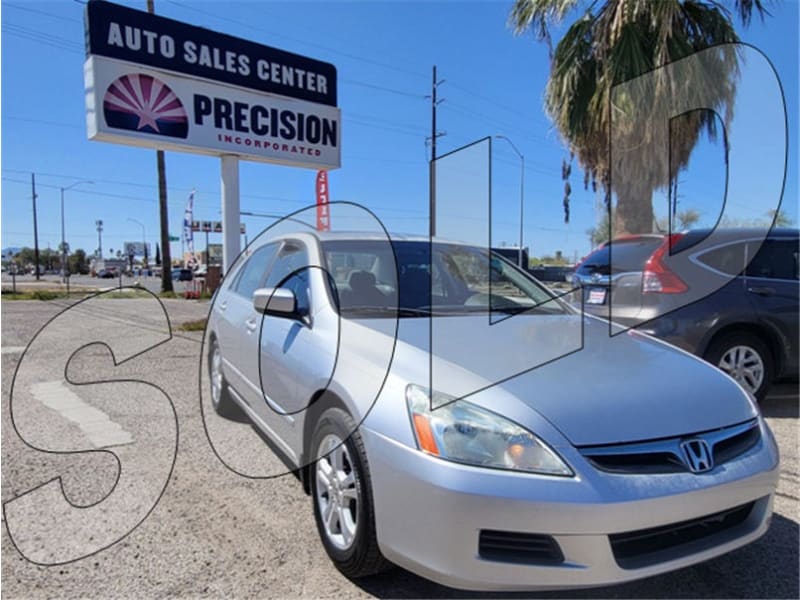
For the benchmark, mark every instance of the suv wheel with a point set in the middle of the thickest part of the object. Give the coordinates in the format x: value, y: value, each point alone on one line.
x: 342, y: 495
x: 747, y: 359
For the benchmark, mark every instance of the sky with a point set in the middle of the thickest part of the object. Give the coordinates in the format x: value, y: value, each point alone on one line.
x: 493, y: 84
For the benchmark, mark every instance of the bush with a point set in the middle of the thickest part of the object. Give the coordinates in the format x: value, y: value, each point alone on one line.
x: 198, y: 325
x: 45, y: 295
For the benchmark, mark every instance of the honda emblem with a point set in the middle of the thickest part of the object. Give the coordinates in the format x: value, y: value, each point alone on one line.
x: 697, y: 455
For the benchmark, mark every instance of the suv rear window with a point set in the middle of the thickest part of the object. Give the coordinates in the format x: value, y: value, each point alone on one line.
x: 628, y: 254
x: 728, y: 259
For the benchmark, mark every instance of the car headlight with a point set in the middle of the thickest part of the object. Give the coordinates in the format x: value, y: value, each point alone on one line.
x: 463, y: 432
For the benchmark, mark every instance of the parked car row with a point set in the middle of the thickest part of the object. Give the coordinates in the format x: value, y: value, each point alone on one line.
x: 748, y: 324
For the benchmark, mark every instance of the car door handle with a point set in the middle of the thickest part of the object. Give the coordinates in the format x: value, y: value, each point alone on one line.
x: 251, y: 324
x: 761, y: 291
x: 222, y: 305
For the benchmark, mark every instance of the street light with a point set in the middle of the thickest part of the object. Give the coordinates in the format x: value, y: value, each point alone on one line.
x: 521, y: 194
x: 63, y: 234
x: 99, y: 224
x: 144, y: 238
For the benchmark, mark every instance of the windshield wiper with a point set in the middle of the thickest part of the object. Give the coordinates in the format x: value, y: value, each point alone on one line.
x: 484, y: 308
x: 401, y: 311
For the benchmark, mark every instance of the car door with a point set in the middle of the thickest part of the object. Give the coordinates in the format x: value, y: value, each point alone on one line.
x: 284, y: 366
x: 237, y: 320
x: 292, y: 357
x: 772, y: 287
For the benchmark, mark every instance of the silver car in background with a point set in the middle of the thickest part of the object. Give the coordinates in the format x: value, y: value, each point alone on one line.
x: 622, y: 460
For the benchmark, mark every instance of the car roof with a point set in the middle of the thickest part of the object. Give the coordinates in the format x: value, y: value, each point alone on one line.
x: 732, y: 233
x: 349, y: 236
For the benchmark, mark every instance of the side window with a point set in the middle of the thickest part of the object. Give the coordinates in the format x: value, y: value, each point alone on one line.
x: 253, y: 271
x: 776, y: 259
x: 728, y: 259
x: 292, y: 257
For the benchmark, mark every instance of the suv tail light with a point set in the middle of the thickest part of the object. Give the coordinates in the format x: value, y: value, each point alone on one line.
x: 657, y: 278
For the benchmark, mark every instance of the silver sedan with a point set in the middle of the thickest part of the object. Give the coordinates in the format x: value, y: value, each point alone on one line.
x: 449, y: 415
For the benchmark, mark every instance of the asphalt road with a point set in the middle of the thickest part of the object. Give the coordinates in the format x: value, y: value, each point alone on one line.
x: 212, y: 532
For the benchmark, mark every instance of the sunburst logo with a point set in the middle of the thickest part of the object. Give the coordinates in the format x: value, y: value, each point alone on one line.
x: 138, y: 102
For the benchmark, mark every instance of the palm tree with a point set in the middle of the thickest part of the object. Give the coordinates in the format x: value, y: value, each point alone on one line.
x: 779, y: 218
x: 615, y: 41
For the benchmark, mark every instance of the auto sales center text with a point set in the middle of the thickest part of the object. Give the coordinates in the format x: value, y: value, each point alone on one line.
x: 292, y: 127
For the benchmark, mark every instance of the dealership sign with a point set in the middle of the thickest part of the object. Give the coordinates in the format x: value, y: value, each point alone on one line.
x: 214, y: 227
x: 155, y: 82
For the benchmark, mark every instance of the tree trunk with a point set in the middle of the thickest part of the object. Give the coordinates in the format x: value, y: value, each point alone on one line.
x: 634, y: 211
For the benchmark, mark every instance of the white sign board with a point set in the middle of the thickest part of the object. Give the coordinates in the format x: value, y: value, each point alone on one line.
x: 130, y: 104
x: 135, y: 249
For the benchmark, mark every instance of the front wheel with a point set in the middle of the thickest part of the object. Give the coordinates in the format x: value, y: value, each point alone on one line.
x: 747, y: 359
x: 342, y: 495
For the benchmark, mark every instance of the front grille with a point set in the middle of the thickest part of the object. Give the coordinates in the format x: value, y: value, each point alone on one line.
x: 637, y: 549
x: 520, y: 548
x: 639, y: 463
x: 666, y: 456
x: 730, y: 448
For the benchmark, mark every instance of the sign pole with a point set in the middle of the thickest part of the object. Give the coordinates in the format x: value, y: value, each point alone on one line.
x: 231, y: 219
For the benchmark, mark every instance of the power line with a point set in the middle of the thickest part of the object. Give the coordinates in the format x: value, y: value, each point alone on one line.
x: 396, y: 127
x: 43, y: 122
x: 42, y: 12
x: 297, y: 40
x: 492, y: 101
x: 382, y: 88
x: 512, y: 127
x: 41, y: 38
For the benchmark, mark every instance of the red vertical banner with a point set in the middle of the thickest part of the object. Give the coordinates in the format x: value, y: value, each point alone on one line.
x: 323, y: 211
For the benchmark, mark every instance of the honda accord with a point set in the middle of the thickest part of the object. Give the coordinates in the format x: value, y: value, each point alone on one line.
x: 542, y: 453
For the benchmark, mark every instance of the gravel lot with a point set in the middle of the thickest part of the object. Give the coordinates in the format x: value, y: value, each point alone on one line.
x: 214, y: 533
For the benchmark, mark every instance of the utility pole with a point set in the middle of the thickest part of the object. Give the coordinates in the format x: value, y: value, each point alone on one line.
x: 434, y: 134
x: 35, y: 227
x: 166, y: 258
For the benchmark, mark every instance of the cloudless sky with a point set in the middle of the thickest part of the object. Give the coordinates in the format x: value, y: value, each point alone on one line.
x: 494, y: 84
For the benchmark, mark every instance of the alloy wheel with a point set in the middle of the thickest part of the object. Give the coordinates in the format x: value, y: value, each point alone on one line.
x: 215, y: 375
x: 745, y: 365
x: 337, y: 493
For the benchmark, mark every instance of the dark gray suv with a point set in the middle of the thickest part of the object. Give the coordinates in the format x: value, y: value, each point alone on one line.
x: 748, y: 327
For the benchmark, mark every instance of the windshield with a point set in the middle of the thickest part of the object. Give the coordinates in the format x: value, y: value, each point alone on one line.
x: 459, y: 280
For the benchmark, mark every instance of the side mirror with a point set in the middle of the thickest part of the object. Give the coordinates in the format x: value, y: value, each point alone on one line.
x: 277, y: 302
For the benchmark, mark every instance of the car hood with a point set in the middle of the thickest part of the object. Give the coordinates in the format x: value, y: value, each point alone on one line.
x: 596, y: 389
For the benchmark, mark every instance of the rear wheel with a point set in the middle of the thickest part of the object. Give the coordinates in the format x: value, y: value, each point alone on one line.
x: 747, y: 359
x: 221, y: 399
x: 341, y: 491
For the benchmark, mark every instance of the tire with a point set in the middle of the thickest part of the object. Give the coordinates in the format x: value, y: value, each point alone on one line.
x: 221, y: 399
x: 348, y: 535
x: 745, y: 357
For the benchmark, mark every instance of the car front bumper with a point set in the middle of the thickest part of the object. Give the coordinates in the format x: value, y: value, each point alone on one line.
x: 429, y: 514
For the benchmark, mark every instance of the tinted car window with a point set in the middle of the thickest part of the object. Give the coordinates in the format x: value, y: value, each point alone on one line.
x: 776, y: 259
x: 253, y: 271
x: 464, y: 278
x: 728, y: 259
x: 290, y: 263
x: 628, y: 255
